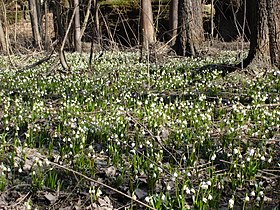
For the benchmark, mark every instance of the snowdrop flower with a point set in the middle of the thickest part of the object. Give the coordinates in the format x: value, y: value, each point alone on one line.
x: 168, y: 187
x: 213, y: 157
x: 269, y: 160
x: 253, y: 193
x: 251, y: 152
x: 204, y: 186
x: 185, y: 188
x: 147, y: 199
x: 98, y: 193
x: 231, y: 203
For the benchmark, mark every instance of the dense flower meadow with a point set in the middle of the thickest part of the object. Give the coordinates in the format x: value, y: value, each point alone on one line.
x: 166, y: 134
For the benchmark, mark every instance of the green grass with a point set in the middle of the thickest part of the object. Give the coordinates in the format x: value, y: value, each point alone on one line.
x: 189, y: 141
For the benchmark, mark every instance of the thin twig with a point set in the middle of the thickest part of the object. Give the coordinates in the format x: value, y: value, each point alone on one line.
x: 102, y: 184
x: 20, y: 200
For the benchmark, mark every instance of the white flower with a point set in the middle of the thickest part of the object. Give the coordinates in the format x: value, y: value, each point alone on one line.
x: 269, y: 160
x: 168, y: 187
x: 251, y: 152
x: 204, y: 200
x: 262, y: 158
x: 163, y: 197
x: 213, y: 157
x: 187, y: 206
x: 147, y: 199
x: 231, y: 203
x: 204, y: 186
x: 210, y: 197
x: 247, y: 198
x: 28, y: 206
x: 185, y: 188
x: 47, y: 162
x: 98, y: 193
x: 253, y: 193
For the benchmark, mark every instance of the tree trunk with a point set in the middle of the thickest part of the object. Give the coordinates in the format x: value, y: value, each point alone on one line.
x: 35, y: 21
x: 173, y: 20
x: 273, y: 8
x: 190, y: 28
x: 265, y: 33
x: 4, y: 33
x: 77, y: 25
x: 62, y: 15
x: 2, y: 40
x: 148, y: 33
x: 96, y: 27
x: 47, y: 40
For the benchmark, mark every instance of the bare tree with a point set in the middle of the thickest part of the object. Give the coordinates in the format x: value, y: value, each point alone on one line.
x: 77, y: 25
x: 173, y: 20
x: 4, y: 34
x: 3, y: 45
x: 34, y: 6
x: 47, y: 38
x: 190, y: 28
x: 148, y: 32
x: 265, y: 34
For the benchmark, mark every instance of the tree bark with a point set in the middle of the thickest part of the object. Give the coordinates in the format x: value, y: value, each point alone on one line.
x: 35, y: 21
x: 148, y: 33
x: 47, y: 39
x: 265, y: 32
x: 173, y: 20
x: 190, y: 28
x: 77, y: 25
x: 2, y: 39
x: 273, y: 8
x: 62, y: 14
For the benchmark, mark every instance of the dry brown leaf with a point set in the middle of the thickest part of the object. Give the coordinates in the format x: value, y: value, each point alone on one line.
x: 51, y: 198
x: 141, y: 194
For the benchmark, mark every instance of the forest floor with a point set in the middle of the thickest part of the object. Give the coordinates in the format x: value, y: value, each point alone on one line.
x: 125, y: 134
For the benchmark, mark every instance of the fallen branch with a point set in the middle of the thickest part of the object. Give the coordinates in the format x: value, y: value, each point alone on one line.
x: 100, y: 183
